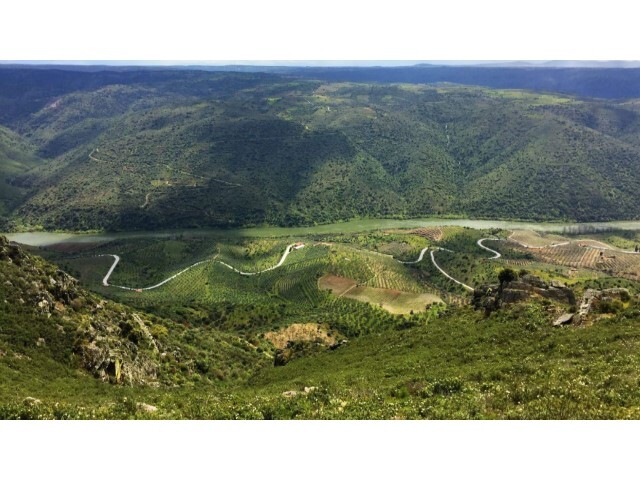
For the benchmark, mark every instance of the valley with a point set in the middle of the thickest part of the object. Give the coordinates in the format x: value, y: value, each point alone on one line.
x: 310, y: 244
x: 376, y: 287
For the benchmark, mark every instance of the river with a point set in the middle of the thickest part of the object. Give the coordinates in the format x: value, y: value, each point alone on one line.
x: 48, y: 238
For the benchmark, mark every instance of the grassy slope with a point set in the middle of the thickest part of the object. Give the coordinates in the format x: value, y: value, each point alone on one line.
x: 455, y: 363
x: 50, y: 326
x: 512, y: 365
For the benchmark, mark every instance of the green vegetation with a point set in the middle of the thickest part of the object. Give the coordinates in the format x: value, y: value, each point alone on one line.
x: 17, y: 156
x: 351, y: 325
x: 512, y: 365
x: 204, y: 342
x: 194, y: 149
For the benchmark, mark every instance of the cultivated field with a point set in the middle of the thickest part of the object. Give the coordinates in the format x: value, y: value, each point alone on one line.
x: 581, y: 255
x: 535, y: 239
x: 394, y: 301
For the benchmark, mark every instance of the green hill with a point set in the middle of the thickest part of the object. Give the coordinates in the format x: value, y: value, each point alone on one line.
x: 212, y: 343
x: 190, y: 149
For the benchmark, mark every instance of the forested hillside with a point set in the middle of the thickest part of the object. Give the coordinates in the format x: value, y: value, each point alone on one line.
x: 151, y: 149
x: 16, y: 157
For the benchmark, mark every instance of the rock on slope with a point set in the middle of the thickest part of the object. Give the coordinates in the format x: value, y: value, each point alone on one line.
x: 43, y: 307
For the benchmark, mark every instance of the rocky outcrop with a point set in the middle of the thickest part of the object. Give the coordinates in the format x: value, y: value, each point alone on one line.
x: 109, y: 340
x: 492, y: 297
x: 604, y: 301
x: 116, y: 350
x: 298, y: 349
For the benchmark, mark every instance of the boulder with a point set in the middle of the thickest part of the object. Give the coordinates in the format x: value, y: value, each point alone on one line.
x: 491, y: 297
x: 145, y: 407
x: 564, y: 319
x: 512, y: 295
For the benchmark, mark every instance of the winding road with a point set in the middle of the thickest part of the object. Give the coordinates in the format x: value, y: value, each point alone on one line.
x: 422, y: 252
x: 105, y: 280
x: 495, y: 254
x: 440, y: 269
x: 433, y: 260
x: 287, y: 251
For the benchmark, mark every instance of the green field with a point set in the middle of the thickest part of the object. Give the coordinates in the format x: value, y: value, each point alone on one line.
x: 394, y: 301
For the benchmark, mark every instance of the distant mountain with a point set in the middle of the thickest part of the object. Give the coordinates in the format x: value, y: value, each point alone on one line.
x: 549, y: 64
x: 604, y: 79
x: 613, y: 83
x: 147, y: 149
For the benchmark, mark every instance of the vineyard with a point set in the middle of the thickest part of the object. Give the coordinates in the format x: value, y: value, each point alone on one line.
x: 576, y: 256
x: 621, y: 239
x: 372, y: 269
x: 437, y: 234
x: 400, y: 244
x: 273, y: 298
x: 534, y: 239
x: 367, y: 286
x: 394, y: 301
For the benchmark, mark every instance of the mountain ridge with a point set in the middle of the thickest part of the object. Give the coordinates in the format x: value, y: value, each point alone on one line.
x: 189, y: 149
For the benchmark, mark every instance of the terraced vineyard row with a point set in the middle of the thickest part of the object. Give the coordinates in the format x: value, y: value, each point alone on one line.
x: 436, y: 234
x: 623, y: 265
x: 298, y: 282
x: 535, y: 239
x: 373, y: 270
x: 206, y: 283
x: 517, y: 262
x: 570, y: 255
x: 573, y: 255
x: 355, y: 318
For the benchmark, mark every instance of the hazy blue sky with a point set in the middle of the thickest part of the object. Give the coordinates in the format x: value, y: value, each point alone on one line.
x: 363, y: 63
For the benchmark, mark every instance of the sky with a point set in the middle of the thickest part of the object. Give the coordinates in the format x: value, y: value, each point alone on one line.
x: 297, y: 63
x: 330, y: 63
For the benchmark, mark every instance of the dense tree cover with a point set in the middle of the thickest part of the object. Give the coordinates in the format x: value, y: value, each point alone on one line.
x: 16, y: 157
x: 150, y: 149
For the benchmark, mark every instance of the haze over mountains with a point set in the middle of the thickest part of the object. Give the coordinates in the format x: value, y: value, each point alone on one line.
x: 138, y: 148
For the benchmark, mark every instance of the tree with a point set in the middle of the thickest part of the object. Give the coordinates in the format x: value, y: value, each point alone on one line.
x: 506, y: 275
